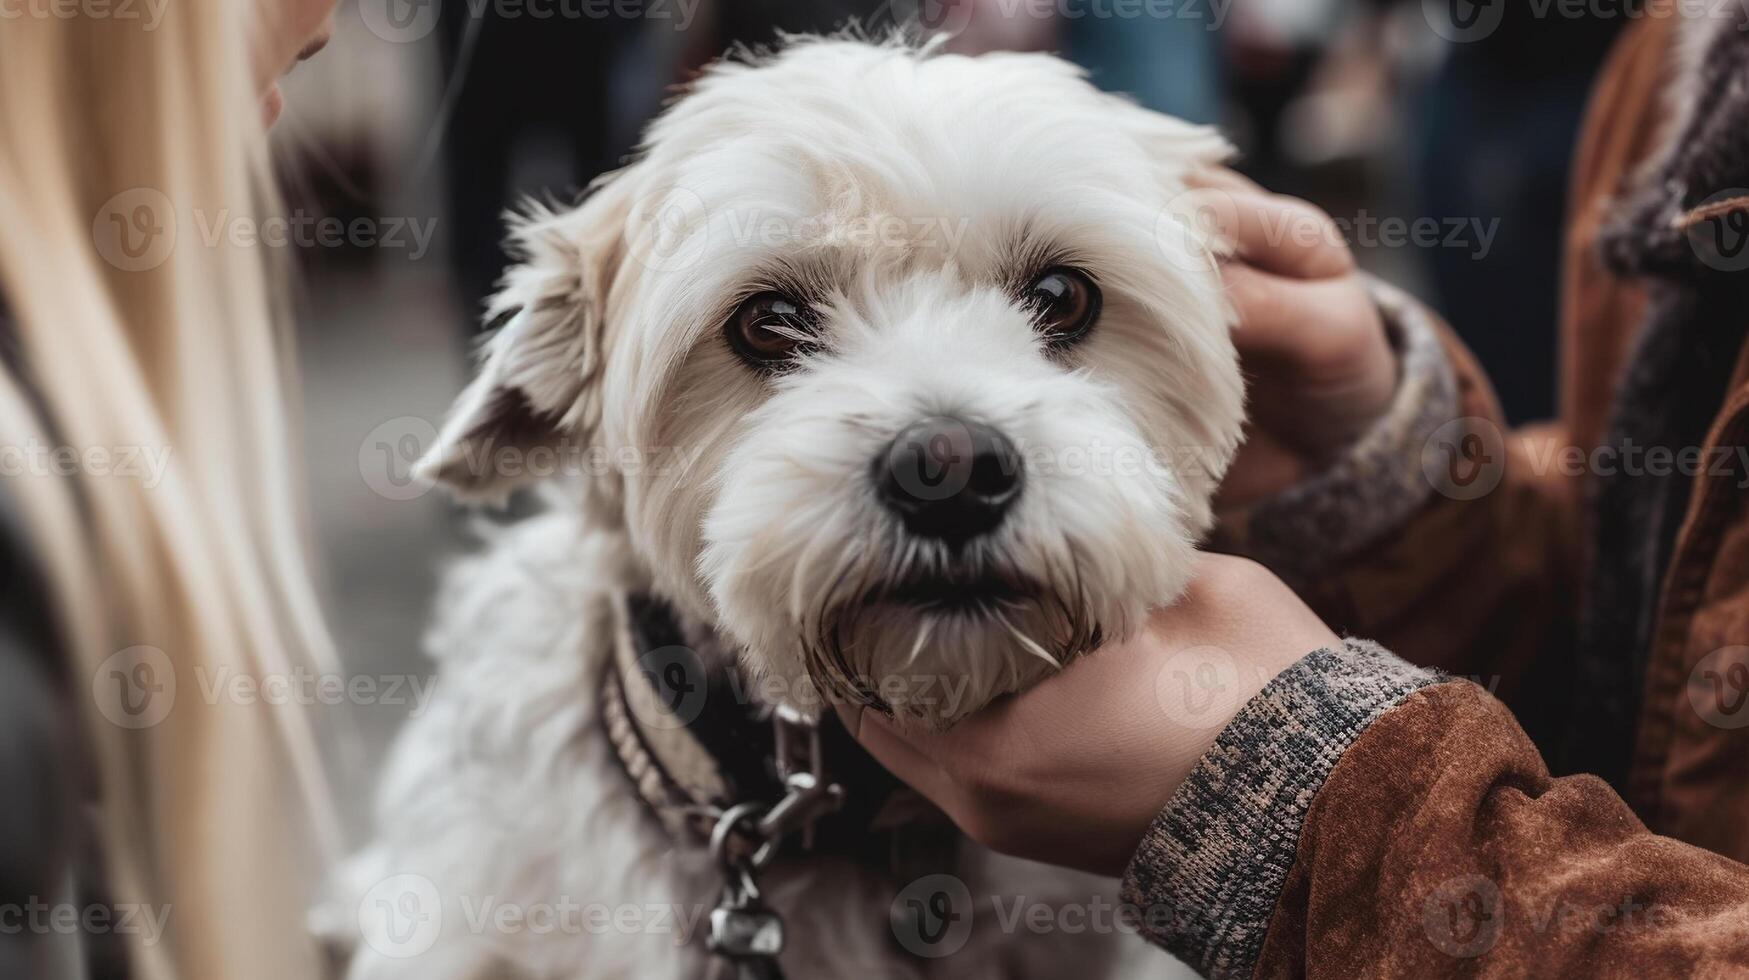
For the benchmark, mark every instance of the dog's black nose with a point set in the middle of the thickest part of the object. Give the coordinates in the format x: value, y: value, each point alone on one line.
x: 949, y: 479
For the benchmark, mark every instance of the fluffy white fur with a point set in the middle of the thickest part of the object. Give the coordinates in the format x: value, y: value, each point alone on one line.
x: 904, y: 192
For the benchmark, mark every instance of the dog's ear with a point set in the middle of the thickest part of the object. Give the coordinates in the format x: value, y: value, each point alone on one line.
x: 538, y: 383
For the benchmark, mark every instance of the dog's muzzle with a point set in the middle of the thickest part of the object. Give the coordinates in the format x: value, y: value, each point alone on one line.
x: 949, y: 480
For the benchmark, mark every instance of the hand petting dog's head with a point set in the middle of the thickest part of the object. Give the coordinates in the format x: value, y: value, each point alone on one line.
x: 901, y: 366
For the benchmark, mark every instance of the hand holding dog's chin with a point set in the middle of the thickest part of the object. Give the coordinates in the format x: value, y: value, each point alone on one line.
x: 1074, y: 770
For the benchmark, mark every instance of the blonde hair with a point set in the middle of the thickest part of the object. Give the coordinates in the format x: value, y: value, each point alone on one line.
x: 214, y: 812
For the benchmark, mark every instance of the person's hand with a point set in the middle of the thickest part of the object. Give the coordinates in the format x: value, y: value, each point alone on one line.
x: 1311, y: 342
x: 1074, y: 770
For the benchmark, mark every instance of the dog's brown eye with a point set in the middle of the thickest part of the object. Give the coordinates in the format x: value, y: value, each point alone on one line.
x: 1065, y: 303
x: 770, y: 328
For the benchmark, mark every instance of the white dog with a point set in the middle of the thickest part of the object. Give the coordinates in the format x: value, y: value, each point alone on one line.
x: 885, y: 375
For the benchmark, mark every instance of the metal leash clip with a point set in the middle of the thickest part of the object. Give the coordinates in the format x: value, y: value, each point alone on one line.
x: 745, y: 935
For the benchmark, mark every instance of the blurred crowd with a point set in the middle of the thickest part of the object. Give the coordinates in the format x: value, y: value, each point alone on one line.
x: 1360, y: 105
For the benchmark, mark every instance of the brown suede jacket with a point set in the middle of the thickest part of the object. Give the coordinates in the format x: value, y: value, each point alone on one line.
x: 1366, y: 817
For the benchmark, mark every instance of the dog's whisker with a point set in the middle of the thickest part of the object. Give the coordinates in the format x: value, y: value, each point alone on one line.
x: 923, y: 632
x: 1027, y: 643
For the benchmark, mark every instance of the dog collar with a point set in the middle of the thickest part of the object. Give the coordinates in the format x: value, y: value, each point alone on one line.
x: 718, y: 767
x: 697, y: 742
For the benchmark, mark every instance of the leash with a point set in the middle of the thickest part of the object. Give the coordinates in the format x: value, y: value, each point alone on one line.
x: 745, y: 934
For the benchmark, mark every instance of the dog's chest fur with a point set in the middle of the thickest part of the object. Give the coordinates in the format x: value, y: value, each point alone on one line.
x: 506, y: 795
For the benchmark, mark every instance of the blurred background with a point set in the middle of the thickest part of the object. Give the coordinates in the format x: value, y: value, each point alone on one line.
x: 1437, y: 132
